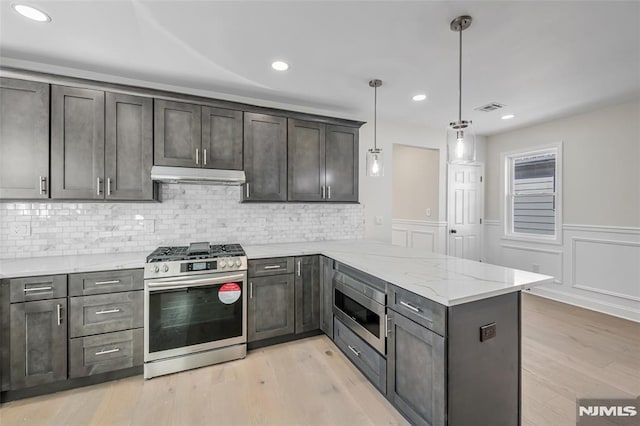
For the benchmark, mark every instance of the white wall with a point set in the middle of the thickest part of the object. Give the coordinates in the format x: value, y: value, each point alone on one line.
x: 597, y: 265
x: 415, y: 182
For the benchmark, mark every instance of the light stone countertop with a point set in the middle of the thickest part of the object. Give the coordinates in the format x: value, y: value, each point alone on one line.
x: 443, y: 279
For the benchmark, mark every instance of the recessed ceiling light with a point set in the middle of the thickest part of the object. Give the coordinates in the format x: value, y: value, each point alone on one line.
x: 31, y: 12
x: 280, y: 66
x: 507, y: 117
x: 420, y: 97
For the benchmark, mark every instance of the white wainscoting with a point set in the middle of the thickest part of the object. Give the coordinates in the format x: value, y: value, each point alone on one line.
x: 596, y: 267
x: 420, y: 234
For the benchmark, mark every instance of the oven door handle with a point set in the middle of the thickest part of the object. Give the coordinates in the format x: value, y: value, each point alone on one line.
x: 192, y: 283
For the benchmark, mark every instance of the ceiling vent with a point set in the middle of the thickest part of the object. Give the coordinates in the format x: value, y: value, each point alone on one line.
x: 490, y: 107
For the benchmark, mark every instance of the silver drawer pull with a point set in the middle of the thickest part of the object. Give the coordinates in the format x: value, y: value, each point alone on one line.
x: 59, y: 312
x: 410, y: 306
x: 108, y: 311
x: 109, y: 351
x: 354, y: 350
x: 47, y: 288
x: 107, y: 282
x: 272, y: 267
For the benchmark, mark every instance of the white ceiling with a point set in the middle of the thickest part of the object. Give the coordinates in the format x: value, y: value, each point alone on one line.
x: 541, y: 59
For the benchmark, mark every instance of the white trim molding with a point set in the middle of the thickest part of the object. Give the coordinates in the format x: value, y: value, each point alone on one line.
x: 421, y: 234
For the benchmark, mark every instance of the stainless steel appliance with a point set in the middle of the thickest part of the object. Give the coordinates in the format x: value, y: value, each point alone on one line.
x: 195, y: 307
x: 359, y: 302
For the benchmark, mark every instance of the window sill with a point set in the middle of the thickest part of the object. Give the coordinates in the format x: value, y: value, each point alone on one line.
x: 538, y: 240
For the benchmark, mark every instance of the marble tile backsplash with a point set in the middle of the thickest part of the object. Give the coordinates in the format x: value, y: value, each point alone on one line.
x: 187, y: 213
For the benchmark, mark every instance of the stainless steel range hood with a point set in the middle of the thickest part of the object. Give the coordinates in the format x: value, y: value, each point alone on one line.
x: 168, y: 174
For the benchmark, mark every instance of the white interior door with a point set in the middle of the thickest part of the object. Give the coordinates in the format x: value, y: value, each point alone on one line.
x: 465, y: 207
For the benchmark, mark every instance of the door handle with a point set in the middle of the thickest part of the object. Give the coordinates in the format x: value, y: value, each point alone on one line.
x: 329, y: 192
x: 246, y: 186
x: 109, y: 186
x: 43, y: 185
x: 386, y: 326
x: 410, y: 306
x: 299, y: 267
x: 272, y: 267
x: 204, y: 156
x: 109, y: 351
x: 107, y: 282
x: 108, y: 311
x: 354, y: 350
x: 323, y: 192
x: 250, y: 289
x: 98, y: 184
x: 59, y: 312
x: 453, y: 231
x: 47, y: 289
x: 197, y: 156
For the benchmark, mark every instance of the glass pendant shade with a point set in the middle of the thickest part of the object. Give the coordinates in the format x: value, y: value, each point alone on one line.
x: 375, y: 163
x: 461, y: 143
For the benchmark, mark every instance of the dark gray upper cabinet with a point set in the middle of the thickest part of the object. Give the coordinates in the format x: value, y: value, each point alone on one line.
x: 77, y: 143
x: 24, y: 139
x: 307, y: 282
x: 416, y: 371
x: 326, y: 295
x: 271, y: 307
x: 128, y: 147
x: 265, y: 157
x: 38, y: 340
x: 306, y: 160
x: 177, y: 130
x: 341, y: 163
x: 221, y: 138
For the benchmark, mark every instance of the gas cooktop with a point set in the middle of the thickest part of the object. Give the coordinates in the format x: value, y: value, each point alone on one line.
x: 195, y: 251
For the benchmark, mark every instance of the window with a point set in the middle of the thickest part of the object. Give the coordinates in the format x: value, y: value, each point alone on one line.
x: 532, y: 189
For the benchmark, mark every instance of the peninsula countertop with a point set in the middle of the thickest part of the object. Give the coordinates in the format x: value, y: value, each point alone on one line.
x: 444, y: 279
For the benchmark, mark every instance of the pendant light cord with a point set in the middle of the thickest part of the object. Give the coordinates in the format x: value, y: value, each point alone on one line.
x: 460, y: 80
x: 375, y: 117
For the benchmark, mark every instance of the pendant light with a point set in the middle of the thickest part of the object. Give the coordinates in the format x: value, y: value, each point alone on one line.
x: 460, y: 137
x: 375, y: 159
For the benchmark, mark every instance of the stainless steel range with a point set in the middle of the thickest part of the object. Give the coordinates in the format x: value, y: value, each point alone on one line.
x: 195, y: 307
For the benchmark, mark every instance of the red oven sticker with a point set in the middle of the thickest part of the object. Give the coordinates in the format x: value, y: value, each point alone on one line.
x: 229, y: 293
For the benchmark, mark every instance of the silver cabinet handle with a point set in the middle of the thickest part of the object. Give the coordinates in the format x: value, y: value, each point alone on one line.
x: 59, y: 311
x: 107, y: 282
x: 43, y: 185
x: 108, y: 311
x: 386, y: 326
x: 323, y: 191
x: 47, y: 288
x: 272, y: 267
x: 98, y: 184
x: 354, y: 350
x: 250, y: 289
x: 197, y: 156
x: 299, y: 267
x: 410, y: 306
x: 109, y: 186
x: 246, y: 187
x: 109, y: 351
x: 204, y: 156
x: 329, y: 192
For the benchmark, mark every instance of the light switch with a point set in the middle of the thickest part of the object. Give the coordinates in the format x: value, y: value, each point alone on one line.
x: 428, y: 212
x: 379, y: 220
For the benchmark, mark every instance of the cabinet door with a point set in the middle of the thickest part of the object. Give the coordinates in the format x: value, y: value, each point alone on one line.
x: 307, y: 279
x: 38, y: 343
x: 306, y: 158
x: 24, y: 139
x: 177, y: 134
x: 221, y: 138
x: 77, y: 143
x: 342, y: 163
x: 265, y: 157
x: 416, y: 371
x: 128, y: 147
x: 326, y: 296
x: 271, y: 307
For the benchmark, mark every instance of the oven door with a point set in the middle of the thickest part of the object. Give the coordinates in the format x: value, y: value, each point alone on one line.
x: 184, y: 315
x: 361, y: 314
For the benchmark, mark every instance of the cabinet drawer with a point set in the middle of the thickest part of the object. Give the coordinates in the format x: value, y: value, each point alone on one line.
x: 423, y: 311
x: 272, y: 266
x: 37, y: 288
x: 105, y: 313
x: 368, y: 360
x: 105, y: 352
x: 105, y: 282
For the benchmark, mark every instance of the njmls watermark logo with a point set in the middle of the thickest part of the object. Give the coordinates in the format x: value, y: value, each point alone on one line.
x: 598, y: 412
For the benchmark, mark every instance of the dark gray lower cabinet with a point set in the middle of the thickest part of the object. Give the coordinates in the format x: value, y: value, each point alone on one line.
x: 24, y: 139
x: 307, y: 282
x: 326, y: 296
x: 271, y: 310
x: 416, y: 371
x: 104, y: 313
x: 38, y: 340
x: 105, y: 352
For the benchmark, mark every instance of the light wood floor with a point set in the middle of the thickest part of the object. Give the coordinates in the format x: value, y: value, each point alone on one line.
x: 568, y: 352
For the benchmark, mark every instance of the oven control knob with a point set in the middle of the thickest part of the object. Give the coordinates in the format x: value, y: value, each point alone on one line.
x: 156, y: 269
x: 165, y: 268
x: 238, y: 262
x: 223, y: 263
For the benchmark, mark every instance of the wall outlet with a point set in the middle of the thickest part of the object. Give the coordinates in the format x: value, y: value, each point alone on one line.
x: 428, y: 212
x: 379, y: 220
x: 20, y: 229
x: 487, y: 331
